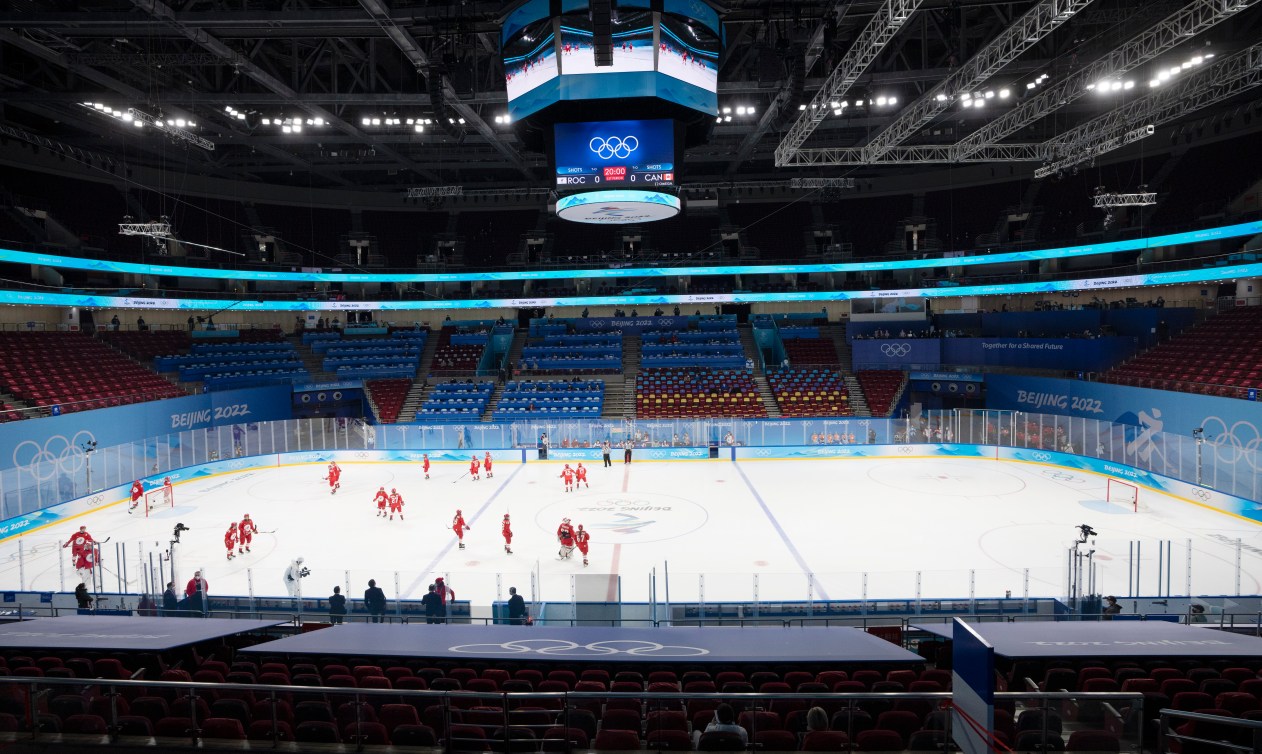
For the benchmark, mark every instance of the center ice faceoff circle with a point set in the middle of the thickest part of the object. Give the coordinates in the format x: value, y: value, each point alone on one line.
x: 627, y: 518
x: 950, y: 479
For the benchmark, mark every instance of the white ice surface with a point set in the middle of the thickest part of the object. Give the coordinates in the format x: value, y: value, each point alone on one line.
x: 716, y: 527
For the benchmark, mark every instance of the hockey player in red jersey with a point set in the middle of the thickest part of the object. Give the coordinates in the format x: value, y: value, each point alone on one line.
x: 507, y: 531
x: 425, y: 464
x: 473, y: 468
x: 168, y: 492
x: 230, y: 538
x: 580, y: 538
x: 459, y: 526
x: 78, y: 542
x: 84, y: 562
x: 382, y: 499
x: 396, y: 504
x: 486, y: 463
x: 568, y: 475
x: 245, y: 533
x: 565, y: 535
x: 335, y: 474
x: 137, y: 492
x: 580, y: 476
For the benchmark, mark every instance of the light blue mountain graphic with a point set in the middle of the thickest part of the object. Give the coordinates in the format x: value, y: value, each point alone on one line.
x: 627, y: 523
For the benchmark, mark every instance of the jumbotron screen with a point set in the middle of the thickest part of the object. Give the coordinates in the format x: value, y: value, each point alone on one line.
x: 615, y: 153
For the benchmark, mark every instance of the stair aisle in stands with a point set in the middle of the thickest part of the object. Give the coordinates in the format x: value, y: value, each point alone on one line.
x: 416, y: 396
x: 616, y: 398
x: 750, y: 347
x: 630, y: 370
x: 314, y: 362
x: 858, y: 401
x: 510, y: 363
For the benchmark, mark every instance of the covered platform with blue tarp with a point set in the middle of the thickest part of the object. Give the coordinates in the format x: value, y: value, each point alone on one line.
x: 1117, y: 638
x: 122, y: 634
x: 595, y: 644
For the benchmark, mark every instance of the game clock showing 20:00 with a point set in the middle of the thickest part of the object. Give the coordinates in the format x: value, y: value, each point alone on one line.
x: 615, y: 152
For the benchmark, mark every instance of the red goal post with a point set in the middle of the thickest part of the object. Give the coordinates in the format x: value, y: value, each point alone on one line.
x: 159, y: 497
x: 1123, y: 493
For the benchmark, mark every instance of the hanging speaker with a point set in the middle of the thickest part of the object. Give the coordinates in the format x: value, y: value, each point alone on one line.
x: 954, y: 387
x: 970, y: 387
x: 936, y: 387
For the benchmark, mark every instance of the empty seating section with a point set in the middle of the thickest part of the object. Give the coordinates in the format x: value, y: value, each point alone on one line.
x: 1221, y: 356
x: 234, y: 364
x: 716, y: 345
x: 697, y: 392
x: 456, y: 401
x: 550, y: 398
x: 561, y: 353
x: 805, y: 347
x: 146, y: 345
x: 810, y: 392
x: 459, y: 349
x: 75, y: 372
x: 363, y: 357
x: 388, y: 396
x: 613, y: 712
x: 880, y: 387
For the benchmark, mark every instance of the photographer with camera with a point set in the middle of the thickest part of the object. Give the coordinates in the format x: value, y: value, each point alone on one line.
x: 293, y: 574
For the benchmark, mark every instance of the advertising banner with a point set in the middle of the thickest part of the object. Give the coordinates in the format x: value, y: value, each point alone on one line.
x: 897, y: 353
x: 1090, y: 355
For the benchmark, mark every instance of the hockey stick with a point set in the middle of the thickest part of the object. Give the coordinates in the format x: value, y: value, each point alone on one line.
x: 462, y: 476
x: 273, y: 531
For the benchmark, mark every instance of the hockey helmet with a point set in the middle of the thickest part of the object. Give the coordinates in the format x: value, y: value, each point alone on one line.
x: 565, y: 520
x: 246, y: 515
x: 83, y: 528
x: 393, y: 490
x: 505, y: 516
x: 232, y: 525
x: 381, y: 488
x: 580, y: 527
x: 457, y: 511
x: 567, y: 465
x: 299, y: 561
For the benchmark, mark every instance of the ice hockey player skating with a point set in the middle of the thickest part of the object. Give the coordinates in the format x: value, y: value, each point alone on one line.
x: 580, y: 538
x: 137, y: 494
x: 382, y: 499
x: 486, y: 464
x: 245, y: 533
x: 230, y: 538
x: 396, y: 504
x: 425, y: 464
x: 459, y: 526
x: 473, y: 468
x: 567, y: 474
x: 507, y: 531
x: 580, y: 476
x: 335, y: 474
x: 565, y: 535
x: 81, y: 547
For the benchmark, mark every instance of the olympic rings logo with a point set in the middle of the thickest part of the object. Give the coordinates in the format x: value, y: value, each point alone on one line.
x: 57, y: 454
x: 1040, y: 456
x: 906, y: 450
x: 564, y: 648
x: 96, y: 500
x: 614, y: 146
x: 1201, y: 494
x: 896, y: 349
x: 1231, y: 444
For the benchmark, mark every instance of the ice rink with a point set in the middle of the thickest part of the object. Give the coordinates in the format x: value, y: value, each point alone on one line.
x: 724, y: 531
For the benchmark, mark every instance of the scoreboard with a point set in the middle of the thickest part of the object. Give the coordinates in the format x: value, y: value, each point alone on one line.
x: 615, y: 154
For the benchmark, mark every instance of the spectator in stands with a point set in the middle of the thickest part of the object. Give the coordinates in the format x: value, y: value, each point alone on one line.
x: 337, y: 605
x: 724, y: 722
x: 729, y: 438
x: 82, y: 597
x: 140, y: 324
x: 517, y: 614
x: 433, y: 605
x: 170, y: 600
x: 320, y: 323
x: 816, y: 720
x: 634, y: 313
x: 115, y: 324
x: 196, y: 591
x: 375, y: 601
x: 337, y: 323
x: 1111, y: 608
x: 193, y: 323
x: 1197, y: 614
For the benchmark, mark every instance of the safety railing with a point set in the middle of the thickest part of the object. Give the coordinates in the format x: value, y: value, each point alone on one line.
x: 1186, y: 731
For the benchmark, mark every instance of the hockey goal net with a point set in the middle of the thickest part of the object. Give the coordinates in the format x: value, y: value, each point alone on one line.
x: 159, y: 498
x: 1124, y: 494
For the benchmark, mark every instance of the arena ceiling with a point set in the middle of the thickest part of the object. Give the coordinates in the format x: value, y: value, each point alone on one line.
x: 1060, y: 82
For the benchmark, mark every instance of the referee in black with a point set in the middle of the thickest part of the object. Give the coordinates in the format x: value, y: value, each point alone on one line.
x: 605, y: 449
x: 626, y: 453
